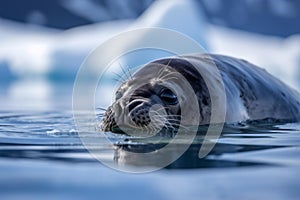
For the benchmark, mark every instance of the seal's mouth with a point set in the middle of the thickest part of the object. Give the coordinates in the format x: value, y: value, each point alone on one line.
x: 108, y: 122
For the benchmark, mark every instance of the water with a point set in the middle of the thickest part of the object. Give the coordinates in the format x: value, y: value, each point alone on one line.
x: 42, y: 157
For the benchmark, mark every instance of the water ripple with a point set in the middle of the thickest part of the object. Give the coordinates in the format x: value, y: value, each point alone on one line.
x: 53, y: 136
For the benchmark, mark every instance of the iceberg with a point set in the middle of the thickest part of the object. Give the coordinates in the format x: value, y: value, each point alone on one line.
x: 33, y: 51
x: 280, y: 57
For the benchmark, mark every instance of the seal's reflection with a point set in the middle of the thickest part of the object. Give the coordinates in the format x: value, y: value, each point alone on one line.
x: 123, y: 155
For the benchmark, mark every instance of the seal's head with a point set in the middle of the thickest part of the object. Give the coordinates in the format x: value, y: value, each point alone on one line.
x: 152, y: 99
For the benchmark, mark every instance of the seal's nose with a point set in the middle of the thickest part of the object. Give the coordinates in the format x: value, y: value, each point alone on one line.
x: 139, y: 112
x: 133, y: 105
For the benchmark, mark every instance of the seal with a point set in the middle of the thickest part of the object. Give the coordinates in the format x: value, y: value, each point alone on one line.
x: 251, y: 94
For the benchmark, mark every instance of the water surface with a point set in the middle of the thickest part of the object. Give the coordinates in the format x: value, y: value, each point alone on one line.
x: 42, y: 156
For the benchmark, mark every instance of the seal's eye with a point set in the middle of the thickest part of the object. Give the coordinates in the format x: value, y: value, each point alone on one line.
x: 118, y: 95
x: 168, y: 96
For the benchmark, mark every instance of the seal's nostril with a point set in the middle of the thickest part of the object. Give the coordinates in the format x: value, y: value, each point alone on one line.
x: 139, y: 113
x: 133, y: 104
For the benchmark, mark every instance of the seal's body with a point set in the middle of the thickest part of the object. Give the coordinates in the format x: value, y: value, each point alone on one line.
x: 251, y: 93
